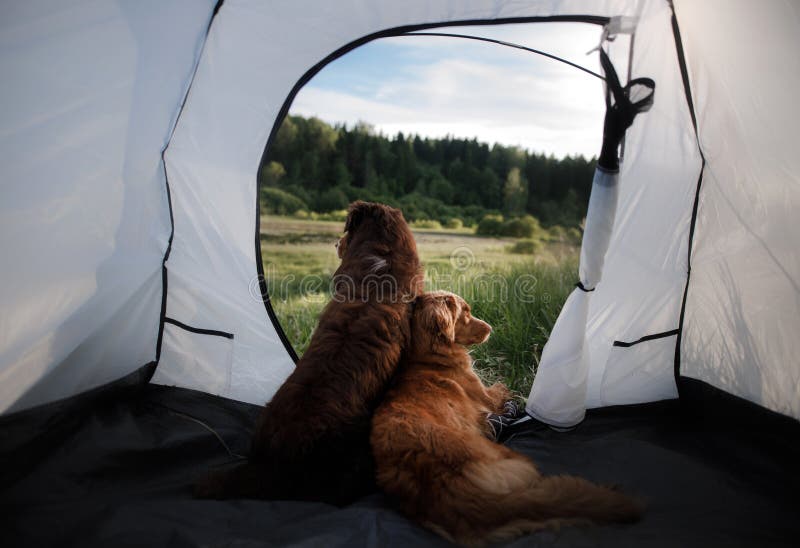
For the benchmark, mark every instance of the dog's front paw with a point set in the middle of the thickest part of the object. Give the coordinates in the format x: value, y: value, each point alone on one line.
x: 498, y: 422
x: 499, y: 394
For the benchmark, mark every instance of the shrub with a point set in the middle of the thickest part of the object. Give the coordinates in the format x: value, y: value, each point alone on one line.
x: 454, y: 223
x: 332, y: 199
x: 472, y: 214
x: 522, y: 227
x: 301, y: 192
x: 557, y: 233
x: 339, y: 216
x: 279, y: 202
x: 490, y: 225
x: 527, y: 247
x: 426, y: 223
x: 302, y: 214
x: 575, y: 235
x: 272, y: 174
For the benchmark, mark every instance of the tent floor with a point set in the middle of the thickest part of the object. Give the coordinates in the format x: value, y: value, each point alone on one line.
x: 122, y: 475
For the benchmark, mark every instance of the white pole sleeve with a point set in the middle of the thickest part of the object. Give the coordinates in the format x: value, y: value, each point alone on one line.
x: 599, y: 224
x: 558, y: 395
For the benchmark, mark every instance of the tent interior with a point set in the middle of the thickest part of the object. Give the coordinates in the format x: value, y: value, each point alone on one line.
x: 138, y: 341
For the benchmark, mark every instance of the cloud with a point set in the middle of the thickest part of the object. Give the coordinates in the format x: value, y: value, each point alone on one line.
x: 568, y: 40
x: 436, y: 87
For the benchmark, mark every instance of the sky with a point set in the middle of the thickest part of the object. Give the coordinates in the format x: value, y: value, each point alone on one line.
x: 434, y: 87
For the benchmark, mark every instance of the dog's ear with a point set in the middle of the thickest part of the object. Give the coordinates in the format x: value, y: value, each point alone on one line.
x: 437, y: 319
x: 454, y: 306
x: 358, y: 212
x: 355, y: 215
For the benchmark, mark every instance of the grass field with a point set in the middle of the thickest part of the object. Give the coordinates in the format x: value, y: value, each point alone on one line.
x: 519, y: 295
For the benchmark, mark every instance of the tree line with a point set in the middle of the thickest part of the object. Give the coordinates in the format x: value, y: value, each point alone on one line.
x: 313, y: 166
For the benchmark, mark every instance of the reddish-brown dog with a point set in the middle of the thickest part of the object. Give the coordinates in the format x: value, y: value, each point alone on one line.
x: 311, y: 441
x: 434, y: 458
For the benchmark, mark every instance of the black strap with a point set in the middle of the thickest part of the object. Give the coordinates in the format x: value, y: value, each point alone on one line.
x: 620, y: 111
x: 646, y: 338
x: 620, y: 93
x: 198, y: 330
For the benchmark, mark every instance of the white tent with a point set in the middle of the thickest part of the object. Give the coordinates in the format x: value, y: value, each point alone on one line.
x: 131, y: 134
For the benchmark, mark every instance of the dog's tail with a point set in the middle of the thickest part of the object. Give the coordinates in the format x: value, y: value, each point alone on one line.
x: 242, y: 481
x: 500, y: 500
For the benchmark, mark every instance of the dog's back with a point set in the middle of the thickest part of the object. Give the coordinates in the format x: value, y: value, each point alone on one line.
x: 433, y: 457
x: 315, y: 432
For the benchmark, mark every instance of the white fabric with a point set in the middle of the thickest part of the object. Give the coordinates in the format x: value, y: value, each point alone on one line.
x: 202, y: 357
x: 644, y: 274
x: 558, y: 395
x: 599, y: 224
x: 743, y: 307
x: 88, y: 95
x: 644, y: 268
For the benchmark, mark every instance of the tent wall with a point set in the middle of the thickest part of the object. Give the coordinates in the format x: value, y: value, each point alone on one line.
x: 622, y: 351
x: 742, y: 317
x: 89, y: 94
x: 256, y: 57
x: 702, y: 277
x: 645, y: 270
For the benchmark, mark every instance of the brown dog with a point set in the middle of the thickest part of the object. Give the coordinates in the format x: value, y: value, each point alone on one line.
x: 433, y: 457
x: 311, y: 441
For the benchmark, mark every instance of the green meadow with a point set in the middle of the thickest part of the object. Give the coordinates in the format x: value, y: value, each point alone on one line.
x: 516, y: 286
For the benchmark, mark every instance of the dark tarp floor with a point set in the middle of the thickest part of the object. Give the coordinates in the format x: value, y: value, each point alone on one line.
x: 120, y: 474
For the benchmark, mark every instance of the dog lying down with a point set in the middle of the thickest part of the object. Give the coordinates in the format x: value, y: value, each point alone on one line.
x: 434, y: 457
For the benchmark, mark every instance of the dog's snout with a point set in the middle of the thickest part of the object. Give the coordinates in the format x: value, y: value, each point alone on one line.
x: 483, y: 331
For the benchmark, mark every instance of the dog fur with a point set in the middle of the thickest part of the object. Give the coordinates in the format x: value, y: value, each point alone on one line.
x: 434, y: 457
x: 311, y: 441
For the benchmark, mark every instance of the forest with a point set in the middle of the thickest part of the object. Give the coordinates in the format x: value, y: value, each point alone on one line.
x: 313, y: 167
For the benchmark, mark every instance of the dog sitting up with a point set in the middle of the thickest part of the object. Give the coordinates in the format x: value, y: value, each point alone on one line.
x: 311, y: 441
x: 432, y: 449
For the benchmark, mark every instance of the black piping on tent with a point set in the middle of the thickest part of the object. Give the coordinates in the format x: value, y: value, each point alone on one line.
x: 679, y: 381
x: 310, y: 73
x: 164, y: 270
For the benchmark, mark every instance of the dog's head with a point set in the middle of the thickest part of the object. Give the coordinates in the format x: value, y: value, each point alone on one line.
x: 375, y: 234
x: 443, y: 319
x: 360, y: 213
x: 377, y: 221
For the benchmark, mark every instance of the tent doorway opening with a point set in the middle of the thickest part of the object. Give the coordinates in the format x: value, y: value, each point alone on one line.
x: 487, y: 150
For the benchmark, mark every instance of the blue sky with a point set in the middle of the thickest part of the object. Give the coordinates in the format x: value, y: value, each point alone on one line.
x: 435, y: 86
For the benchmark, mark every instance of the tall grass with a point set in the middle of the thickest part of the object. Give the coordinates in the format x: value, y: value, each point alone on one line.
x: 298, y: 317
x: 520, y: 300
